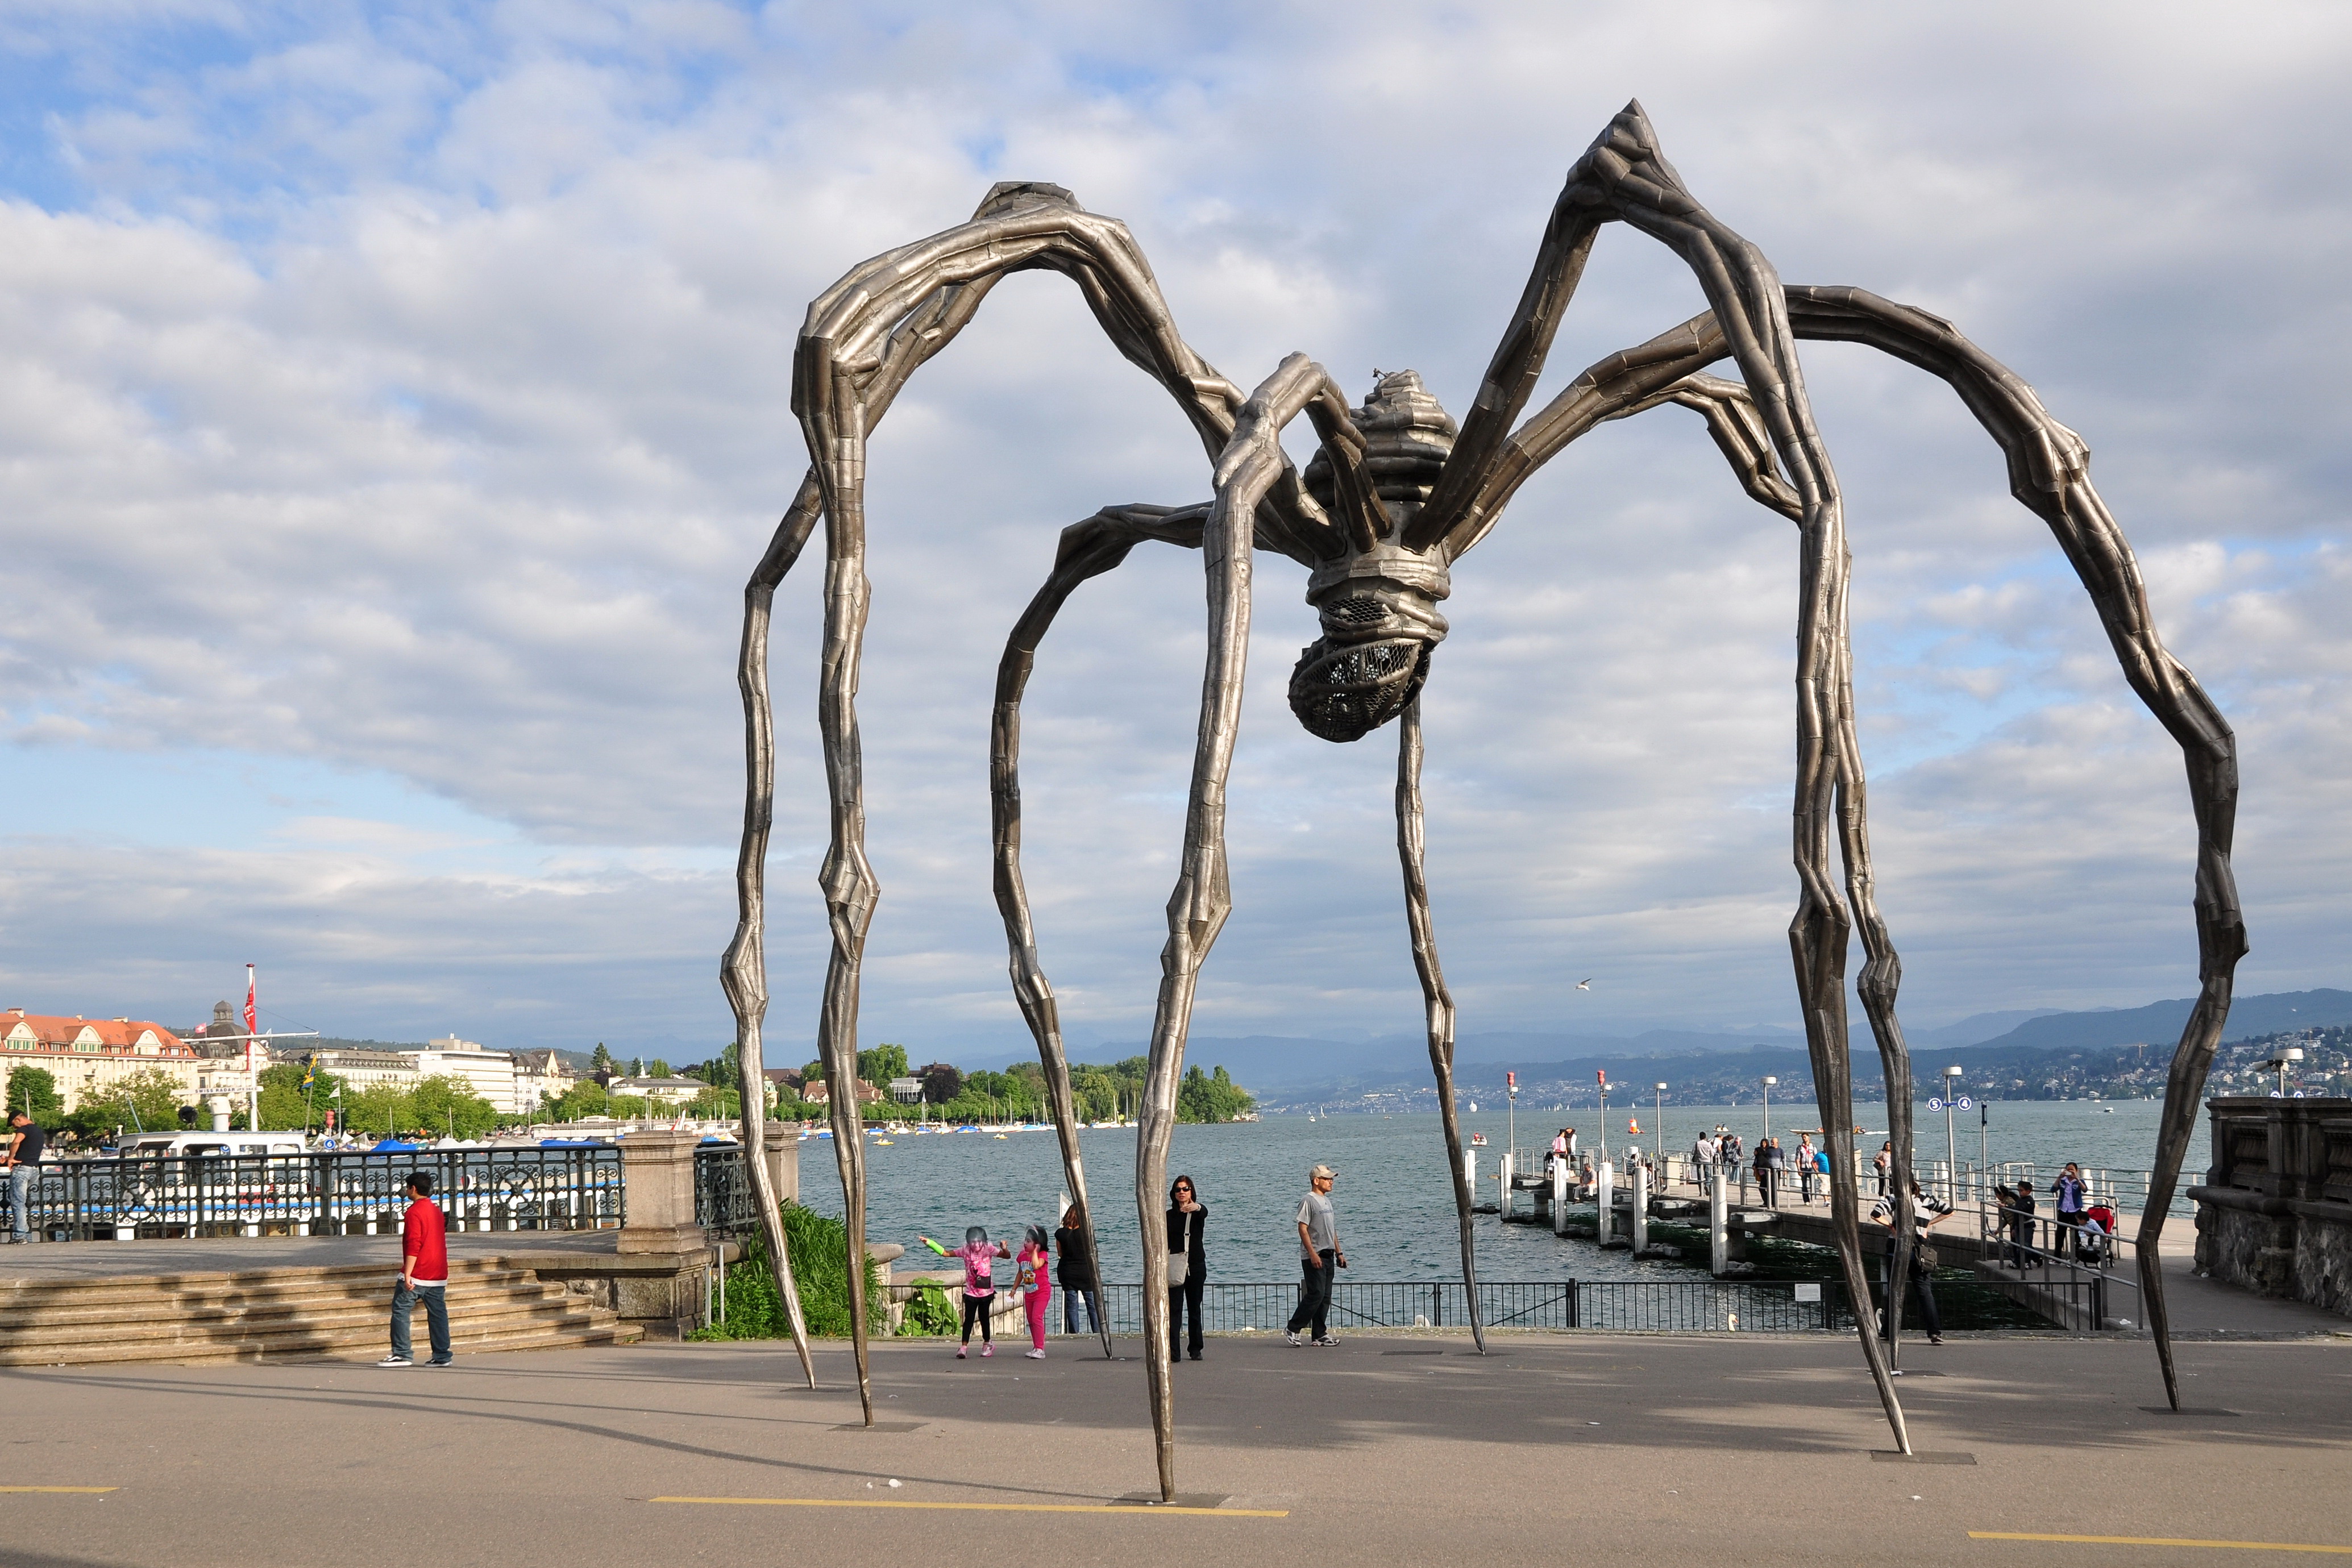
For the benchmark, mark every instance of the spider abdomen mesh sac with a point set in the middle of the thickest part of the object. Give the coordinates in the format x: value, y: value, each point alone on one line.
x: 1342, y: 692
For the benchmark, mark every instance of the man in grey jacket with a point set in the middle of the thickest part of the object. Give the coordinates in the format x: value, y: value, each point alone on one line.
x: 1318, y: 1242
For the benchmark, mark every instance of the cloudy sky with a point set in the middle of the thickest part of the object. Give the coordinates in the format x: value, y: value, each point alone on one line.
x: 395, y: 399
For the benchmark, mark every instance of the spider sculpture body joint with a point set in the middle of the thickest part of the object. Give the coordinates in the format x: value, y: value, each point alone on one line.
x: 1396, y: 497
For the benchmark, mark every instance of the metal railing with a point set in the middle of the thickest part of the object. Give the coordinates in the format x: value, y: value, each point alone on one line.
x: 1676, y: 1306
x: 723, y: 1202
x: 323, y: 1193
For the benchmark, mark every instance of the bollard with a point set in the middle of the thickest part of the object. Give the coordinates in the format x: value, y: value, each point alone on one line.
x: 1503, y: 1206
x: 1470, y: 1175
x: 1718, y: 1225
x: 1641, y: 1209
x: 658, y: 1164
x: 1604, y: 1193
x: 1559, y: 1195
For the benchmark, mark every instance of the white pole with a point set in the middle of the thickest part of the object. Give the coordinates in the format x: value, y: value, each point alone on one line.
x: 1470, y: 1174
x: 1718, y: 1226
x: 1559, y: 1195
x: 1604, y: 1189
x: 1504, y: 1175
x: 1641, y: 1208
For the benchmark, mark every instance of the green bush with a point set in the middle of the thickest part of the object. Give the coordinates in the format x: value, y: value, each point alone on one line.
x: 819, y: 1251
x: 930, y: 1313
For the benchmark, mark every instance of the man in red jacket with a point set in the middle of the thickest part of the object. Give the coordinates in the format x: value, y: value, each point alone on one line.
x: 424, y: 1271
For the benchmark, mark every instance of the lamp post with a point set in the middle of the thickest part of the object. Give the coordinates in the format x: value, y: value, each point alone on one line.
x: 1659, y: 1132
x: 1952, y: 1147
x: 1768, y: 1082
x: 2292, y: 1053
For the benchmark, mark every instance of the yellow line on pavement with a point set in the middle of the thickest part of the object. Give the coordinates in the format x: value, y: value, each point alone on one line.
x: 985, y: 1507
x: 2159, y: 1541
x: 61, y: 1488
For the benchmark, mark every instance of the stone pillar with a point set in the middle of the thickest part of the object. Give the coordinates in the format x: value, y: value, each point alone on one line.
x: 1718, y: 1225
x: 1604, y: 1194
x: 657, y: 1166
x: 1641, y: 1209
x: 781, y: 1147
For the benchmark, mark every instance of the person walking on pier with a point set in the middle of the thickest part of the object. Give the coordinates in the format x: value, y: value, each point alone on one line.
x: 1808, y: 1166
x: 1188, y: 1264
x: 1767, y: 1172
x: 1882, y: 1163
x: 1075, y: 1272
x: 1735, y: 1163
x: 424, y: 1275
x: 1319, y: 1240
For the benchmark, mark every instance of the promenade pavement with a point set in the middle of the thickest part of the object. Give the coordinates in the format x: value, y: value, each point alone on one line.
x: 1403, y: 1449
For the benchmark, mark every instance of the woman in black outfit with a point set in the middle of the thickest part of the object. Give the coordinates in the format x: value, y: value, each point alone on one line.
x: 1188, y: 1219
x: 1073, y: 1271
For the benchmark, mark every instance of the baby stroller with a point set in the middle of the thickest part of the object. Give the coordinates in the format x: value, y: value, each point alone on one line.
x: 2094, y: 1244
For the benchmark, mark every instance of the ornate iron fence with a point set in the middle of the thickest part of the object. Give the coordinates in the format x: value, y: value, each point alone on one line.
x: 723, y: 1203
x: 324, y: 1194
x: 1679, y: 1306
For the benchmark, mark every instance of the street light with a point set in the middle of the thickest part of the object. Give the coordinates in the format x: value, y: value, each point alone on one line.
x: 1660, y: 1132
x: 2292, y: 1053
x: 1768, y: 1082
x: 1951, y: 1147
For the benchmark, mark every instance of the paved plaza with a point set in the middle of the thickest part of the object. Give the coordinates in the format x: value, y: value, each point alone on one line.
x: 1399, y: 1449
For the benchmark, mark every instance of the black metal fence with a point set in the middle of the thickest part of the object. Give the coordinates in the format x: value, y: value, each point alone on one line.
x: 723, y: 1203
x: 325, y: 1194
x: 1679, y: 1306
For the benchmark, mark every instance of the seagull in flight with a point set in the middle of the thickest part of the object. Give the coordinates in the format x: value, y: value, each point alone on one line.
x: 1584, y: 985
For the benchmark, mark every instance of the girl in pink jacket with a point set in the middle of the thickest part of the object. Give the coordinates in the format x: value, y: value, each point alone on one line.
x: 979, y: 1256
x: 1036, y: 1287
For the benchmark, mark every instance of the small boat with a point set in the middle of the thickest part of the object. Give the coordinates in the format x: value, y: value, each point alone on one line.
x: 1477, y: 1140
x: 1000, y: 1137
x: 2107, y: 1110
x: 883, y: 1142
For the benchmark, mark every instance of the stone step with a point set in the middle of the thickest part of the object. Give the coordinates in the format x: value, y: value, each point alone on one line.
x: 104, y: 1287
x: 466, y: 1307
x: 354, y: 1347
x: 197, y: 1299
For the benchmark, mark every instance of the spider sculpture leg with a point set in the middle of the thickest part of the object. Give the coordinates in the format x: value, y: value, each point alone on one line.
x: 2050, y: 472
x: 1088, y: 550
x: 863, y: 338
x: 1437, y: 1000
x: 1247, y: 471
x: 1624, y: 177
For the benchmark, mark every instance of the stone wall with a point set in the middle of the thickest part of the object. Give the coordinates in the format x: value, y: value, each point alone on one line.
x: 2274, y: 1215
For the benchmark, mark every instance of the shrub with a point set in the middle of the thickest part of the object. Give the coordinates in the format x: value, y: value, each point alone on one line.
x: 819, y: 1250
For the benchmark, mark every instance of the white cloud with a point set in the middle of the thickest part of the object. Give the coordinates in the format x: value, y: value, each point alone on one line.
x: 406, y: 395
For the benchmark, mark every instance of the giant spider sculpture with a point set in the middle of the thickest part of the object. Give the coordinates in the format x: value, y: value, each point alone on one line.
x: 1394, y: 496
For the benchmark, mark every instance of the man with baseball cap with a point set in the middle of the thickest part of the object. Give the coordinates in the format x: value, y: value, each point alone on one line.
x: 1319, y: 1240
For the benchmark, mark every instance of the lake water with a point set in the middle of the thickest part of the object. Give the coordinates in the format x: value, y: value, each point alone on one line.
x: 1395, y: 1201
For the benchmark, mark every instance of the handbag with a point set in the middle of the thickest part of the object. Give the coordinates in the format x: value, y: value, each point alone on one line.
x: 1180, y: 1262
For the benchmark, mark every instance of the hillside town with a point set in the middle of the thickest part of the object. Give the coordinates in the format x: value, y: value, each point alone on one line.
x: 92, y: 1078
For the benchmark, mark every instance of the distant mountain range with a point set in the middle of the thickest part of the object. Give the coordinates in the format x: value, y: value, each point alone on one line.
x: 1284, y: 1069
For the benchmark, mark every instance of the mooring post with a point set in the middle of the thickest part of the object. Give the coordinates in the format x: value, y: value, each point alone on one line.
x: 1641, y: 1208
x: 1502, y: 1205
x: 1470, y: 1175
x: 1718, y: 1225
x: 1604, y: 1193
x: 1559, y: 1195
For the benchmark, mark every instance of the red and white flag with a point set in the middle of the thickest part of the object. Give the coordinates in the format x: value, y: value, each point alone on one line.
x: 252, y: 1023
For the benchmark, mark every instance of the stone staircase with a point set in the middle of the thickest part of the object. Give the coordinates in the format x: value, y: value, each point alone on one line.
x: 333, y: 1312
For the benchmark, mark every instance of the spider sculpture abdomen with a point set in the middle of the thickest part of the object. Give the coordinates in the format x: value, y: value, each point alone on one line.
x: 1378, y: 606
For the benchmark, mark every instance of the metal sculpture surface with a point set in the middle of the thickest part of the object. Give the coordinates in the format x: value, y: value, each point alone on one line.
x: 1394, y: 496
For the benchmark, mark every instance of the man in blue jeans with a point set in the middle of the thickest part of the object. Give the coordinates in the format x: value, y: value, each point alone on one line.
x: 1318, y: 1242
x: 423, y: 1274
x: 26, y: 1142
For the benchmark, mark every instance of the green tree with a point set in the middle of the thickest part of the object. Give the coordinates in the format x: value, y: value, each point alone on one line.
x: 718, y: 1072
x: 585, y: 1098
x: 882, y: 1064
x: 942, y: 1083
x: 147, y: 1099
x: 442, y: 1103
x: 380, y: 1109
x: 627, y: 1105
x: 283, y: 1103
x: 34, y: 1090
x: 815, y: 1071
x: 718, y: 1103
x: 1202, y: 1098
x: 636, y: 1067
x: 658, y: 1068
x: 602, y: 1061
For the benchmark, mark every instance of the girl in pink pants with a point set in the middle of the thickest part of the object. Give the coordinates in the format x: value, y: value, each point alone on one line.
x: 1036, y: 1287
